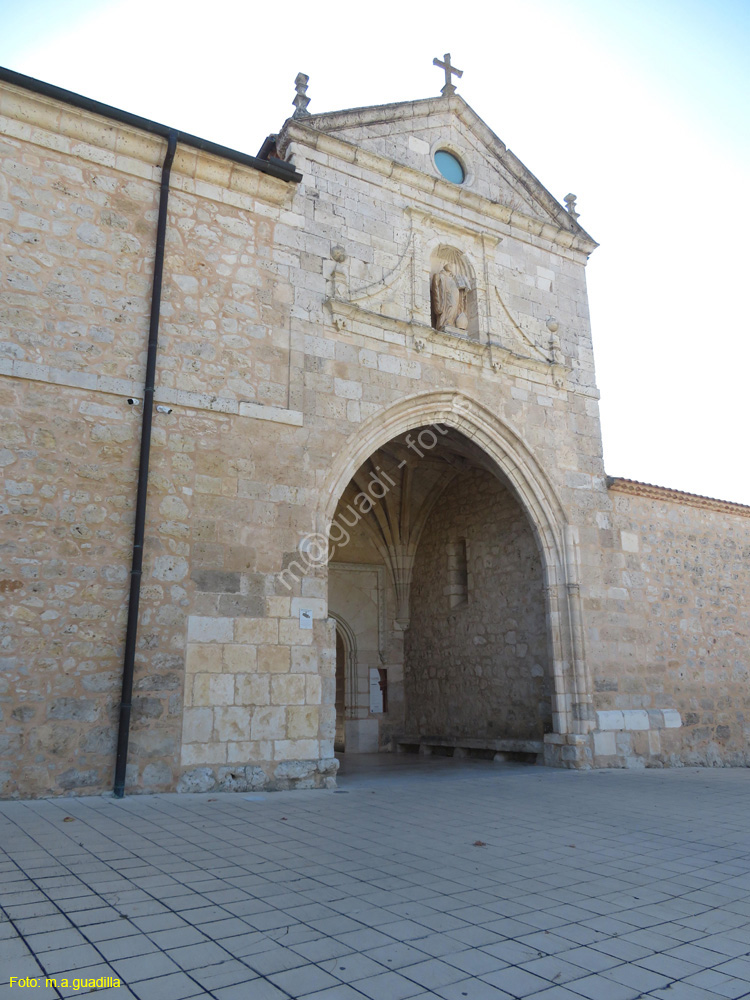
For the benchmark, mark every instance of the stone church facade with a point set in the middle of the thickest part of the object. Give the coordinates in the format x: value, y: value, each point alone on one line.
x: 377, y: 513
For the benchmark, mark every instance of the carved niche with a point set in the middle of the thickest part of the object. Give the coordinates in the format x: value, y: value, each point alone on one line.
x: 453, y: 304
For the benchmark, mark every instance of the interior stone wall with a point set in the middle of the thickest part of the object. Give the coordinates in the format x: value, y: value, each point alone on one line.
x: 356, y: 592
x: 480, y: 669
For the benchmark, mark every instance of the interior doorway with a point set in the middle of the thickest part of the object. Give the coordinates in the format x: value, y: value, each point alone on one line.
x: 339, y: 743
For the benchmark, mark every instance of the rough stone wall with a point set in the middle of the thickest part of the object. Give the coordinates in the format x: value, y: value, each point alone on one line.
x: 78, y: 245
x: 77, y: 223
x: 77, y: 241
x: 67, y: 510
x: 678, y: 635
x: 225, y: 304
x: 481, y: 668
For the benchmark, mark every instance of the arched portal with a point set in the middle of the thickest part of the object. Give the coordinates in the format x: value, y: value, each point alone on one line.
x: 418, y: 451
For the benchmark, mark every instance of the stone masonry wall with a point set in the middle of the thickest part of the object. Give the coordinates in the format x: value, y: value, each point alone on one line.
x: 78, y: 199
x: 478, y: 669
x: 271, y: 364
x: 678, y: 634
x: 67, y: 508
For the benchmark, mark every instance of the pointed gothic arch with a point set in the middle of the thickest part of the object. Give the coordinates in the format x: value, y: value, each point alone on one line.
x: 515, y: 464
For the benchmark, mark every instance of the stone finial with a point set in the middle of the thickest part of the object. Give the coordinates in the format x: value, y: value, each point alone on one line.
x: 301, y: 101
x: 570, y: 204
x: 450, y: 71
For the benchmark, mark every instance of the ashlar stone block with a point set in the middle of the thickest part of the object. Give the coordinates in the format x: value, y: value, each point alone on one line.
x: 240, y: 658
x: 291, y: 634
x: 197, y: 725
x: 635, y: 719
x: 604, y: 744
x: 296, y: 750
x: 203, y: 753
x: 303, y: 721
x: 259, y: 631
x: 313, y: 689
x: 304, y: 660
x: 203, y: 658
x: 252, y: 689
x: 629, y: 541
x: 203, y: 629
x: 317, y: 605
x: 232, y: 724
x: 288, y: 689
x: 213, y: 689
x: 274, y: 659
x: 610, y: 720
x: 269, y: 724
x: 248, y: 751
x: 277, y: 607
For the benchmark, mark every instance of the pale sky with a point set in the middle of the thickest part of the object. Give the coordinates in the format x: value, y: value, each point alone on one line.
x: 638, y: 107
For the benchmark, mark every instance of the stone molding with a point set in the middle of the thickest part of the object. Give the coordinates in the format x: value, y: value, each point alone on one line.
x: 124, y: 387
x: 427, y: 341
x: 634, y: 488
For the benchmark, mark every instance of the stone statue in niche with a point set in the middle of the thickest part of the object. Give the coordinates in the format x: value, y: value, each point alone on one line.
x: 449, y: 299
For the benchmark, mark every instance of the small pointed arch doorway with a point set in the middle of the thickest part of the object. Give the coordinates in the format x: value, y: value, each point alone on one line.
x: 346, y: 679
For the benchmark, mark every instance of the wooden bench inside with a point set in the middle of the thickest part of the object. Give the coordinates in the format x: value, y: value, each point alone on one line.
x: 500, y: 750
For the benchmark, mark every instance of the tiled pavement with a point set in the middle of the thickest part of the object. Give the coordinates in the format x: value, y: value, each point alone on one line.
x: 458, y: 879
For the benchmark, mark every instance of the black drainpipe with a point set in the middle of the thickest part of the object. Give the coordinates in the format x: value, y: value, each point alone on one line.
x: 131, y: 634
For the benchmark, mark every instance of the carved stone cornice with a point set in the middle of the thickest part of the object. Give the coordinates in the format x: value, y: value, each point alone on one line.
x: 651, y: 492
x: 461, y: 227
x: 424, y: 340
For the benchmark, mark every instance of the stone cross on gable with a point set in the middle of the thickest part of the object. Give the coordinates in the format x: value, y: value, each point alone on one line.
x: 448, y: 89
x: 301, y: 100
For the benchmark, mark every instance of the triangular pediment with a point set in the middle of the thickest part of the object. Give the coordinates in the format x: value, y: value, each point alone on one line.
x: 411, y: 132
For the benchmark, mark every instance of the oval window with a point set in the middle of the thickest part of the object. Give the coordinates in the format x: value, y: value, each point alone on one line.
x: 449, y: 166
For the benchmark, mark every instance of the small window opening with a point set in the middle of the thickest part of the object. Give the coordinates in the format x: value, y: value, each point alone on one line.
x: 450, y: 166
x: 457, y: 589
x: 378, y: 691
x: 384, y: 687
